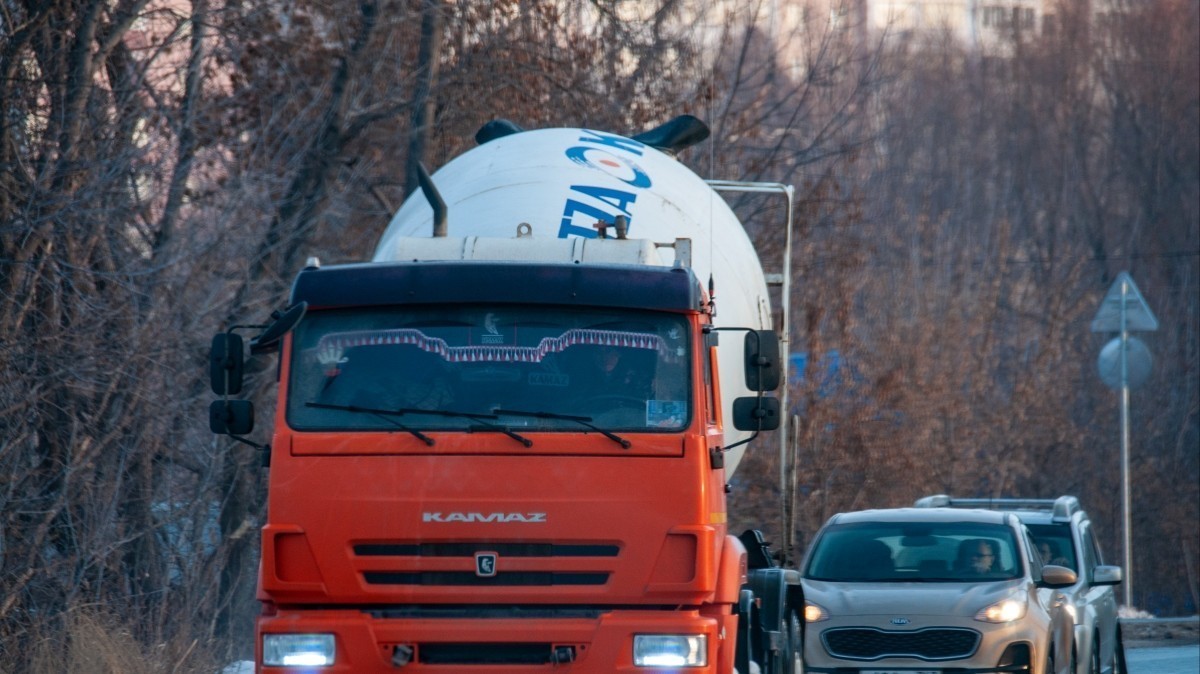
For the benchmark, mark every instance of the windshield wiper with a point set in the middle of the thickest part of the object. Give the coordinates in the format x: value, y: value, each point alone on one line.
x: 502, y: 429
x: 401, y: 411
x: 584, y: 421
x: 386, y: 415
x: 481, y: 418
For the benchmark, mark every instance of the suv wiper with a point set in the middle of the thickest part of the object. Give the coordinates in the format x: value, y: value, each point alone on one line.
x: 583, y: 421
x: 386, y: 415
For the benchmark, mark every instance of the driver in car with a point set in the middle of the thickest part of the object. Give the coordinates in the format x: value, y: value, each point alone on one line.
x: 606, y: 378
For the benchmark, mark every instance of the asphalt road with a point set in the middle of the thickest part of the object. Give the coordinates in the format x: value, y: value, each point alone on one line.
x: 1164, y: 660
x: 1155, y: 660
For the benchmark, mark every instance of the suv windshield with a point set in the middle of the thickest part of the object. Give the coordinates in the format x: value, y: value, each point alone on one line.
x: 915, y: 551
x: 455, y: 367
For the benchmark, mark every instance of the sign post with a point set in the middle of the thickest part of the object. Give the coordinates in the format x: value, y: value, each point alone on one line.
x: 1125, y: 363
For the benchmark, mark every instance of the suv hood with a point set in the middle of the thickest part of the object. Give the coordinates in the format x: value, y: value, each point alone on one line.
x: 913, y: 598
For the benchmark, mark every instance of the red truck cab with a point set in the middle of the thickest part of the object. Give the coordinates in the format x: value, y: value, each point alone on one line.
x: 499, y: 467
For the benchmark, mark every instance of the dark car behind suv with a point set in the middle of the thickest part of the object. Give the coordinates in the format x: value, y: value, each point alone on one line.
x: 1063, y: 533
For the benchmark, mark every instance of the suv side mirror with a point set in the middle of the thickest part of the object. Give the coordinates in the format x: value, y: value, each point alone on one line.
x: 1107, y: 575
x: 762, y: 360
x: 754, y: 413
x: 1057, y: 576
x: 226, y: 364
x: 231, y: 417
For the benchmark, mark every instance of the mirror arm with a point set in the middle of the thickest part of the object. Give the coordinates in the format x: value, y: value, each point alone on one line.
x: 265, y: 449
x: 760, y: 361
x: 248, y: 442
x: 741, y: 442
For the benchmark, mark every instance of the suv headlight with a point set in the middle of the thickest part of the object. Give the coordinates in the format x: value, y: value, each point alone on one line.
x: 670, y: 650
x: 298, y: 650
x: 814, y: 613
x: 1004, y: 611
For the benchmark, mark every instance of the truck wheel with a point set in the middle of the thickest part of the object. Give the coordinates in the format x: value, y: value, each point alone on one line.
x: 793, y: 656
x: 743, y: 653
x: 788, y: 659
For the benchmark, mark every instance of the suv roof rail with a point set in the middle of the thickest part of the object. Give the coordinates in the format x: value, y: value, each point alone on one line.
x: 1061, y: 508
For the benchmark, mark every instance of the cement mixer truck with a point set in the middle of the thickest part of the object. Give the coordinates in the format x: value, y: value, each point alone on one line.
x: 505, y: 443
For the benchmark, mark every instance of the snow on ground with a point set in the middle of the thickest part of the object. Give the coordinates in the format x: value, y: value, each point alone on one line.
x: 1130, y: 612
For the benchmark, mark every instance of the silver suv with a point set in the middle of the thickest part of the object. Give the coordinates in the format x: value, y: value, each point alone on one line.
x: 932, y: 590
x: 1063, y: 535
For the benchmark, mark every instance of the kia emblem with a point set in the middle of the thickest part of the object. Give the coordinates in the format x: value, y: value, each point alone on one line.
x: 485, y: 564
x: 900, y: 621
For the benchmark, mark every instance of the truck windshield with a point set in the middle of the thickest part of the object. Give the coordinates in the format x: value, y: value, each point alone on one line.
x: 874, y: 552
x: 616, y: 369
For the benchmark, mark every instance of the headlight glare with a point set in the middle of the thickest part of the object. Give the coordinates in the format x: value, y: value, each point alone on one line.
x: 1004, y: 611
x: 814, y: 613
x: 670, y: 650
x: 298, y: 650
x: 1070, y: 609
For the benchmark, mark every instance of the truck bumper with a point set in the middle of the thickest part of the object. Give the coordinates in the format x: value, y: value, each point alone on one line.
x: 367, y: 641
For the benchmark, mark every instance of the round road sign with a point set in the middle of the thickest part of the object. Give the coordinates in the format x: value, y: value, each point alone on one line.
x: 1139, y: 363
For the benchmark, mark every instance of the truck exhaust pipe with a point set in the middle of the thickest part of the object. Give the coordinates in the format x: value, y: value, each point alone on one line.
x: 434, y: 199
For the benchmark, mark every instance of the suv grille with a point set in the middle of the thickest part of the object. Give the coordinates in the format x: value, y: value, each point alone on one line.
x: 934, y: 643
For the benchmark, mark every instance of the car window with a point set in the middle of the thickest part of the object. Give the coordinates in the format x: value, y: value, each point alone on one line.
x: 1093, y: 544
x: 1087, y: 554
x: 1054, y: 544
x: 915, y: 551
x: 1032, y: 556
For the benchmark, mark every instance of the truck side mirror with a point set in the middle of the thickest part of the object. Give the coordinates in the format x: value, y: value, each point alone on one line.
x: 762, y: 360
x: 756, y: 413
x: 231, y: 417
x: 226, y: 364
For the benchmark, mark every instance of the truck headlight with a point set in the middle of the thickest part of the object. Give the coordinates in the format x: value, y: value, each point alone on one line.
x: 1004, y: 611
x: 670, y: 650
x: 298, y: 650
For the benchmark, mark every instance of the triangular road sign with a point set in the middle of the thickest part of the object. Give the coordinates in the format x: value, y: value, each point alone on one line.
x: 1124, y: 295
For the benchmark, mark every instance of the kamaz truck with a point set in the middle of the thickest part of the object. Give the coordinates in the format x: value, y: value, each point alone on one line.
x: 505, y: 443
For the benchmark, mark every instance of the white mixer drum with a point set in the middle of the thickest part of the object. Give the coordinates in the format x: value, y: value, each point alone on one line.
x: 561, y: 181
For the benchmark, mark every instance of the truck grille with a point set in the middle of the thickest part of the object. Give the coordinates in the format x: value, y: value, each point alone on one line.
x: 527, y: 578
x: 494, y: 654
x: 470, y: 548
x: 441, y: 563
x: 868, y: 643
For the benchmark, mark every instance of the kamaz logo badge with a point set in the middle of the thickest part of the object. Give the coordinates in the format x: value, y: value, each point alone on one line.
x: 485, y: 564
x: 527, y: 518
x: 492, y: 334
